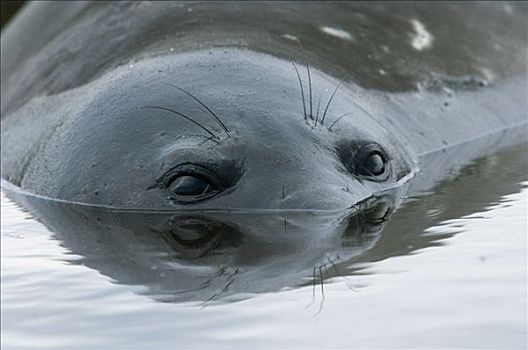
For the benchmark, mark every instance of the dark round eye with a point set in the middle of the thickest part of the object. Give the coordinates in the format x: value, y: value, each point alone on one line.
x: 371, y: 162
x: 191, y: 184
x: 373, y: 165
x: 188, y: 185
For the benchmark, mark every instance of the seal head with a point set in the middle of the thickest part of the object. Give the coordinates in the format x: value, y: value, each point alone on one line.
x: 223, y: 128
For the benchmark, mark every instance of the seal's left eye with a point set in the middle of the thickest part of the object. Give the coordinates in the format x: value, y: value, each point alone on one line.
x: 191, y: 188
x: 191, y: 184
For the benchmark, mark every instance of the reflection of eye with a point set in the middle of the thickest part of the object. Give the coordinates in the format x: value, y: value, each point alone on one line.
x: 193, y: 184
x: 192, y: 237
x: 371, y: 162
x: 193, y: 232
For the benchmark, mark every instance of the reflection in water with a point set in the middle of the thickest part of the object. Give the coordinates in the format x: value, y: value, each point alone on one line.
x: 213, y: 256
x: 193, y: 237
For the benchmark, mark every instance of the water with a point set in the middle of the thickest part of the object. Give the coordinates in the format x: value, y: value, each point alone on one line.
x: 448, y: 270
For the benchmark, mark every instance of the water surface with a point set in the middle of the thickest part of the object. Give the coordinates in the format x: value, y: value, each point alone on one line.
x: 447, y: 270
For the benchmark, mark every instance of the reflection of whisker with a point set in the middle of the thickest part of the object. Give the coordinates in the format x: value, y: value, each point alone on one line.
x: 323, y: 271
x: 230, y: 280
x: 313, y: 289
x: 208, y: 300
x: 221, y: 271
x: 321, y: 280
x: 203, y: 285
x: 338, y: 274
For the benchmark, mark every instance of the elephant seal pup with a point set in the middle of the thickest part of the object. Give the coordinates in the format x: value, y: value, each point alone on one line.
x: 252, y: 106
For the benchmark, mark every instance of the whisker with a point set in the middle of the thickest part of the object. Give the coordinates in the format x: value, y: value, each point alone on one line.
x: 310, y: 88
x: 184, y: 116
x: 329, y: 101
x: 207, y: 138
x: 302, y: 90
x: 338, y: 119
x: 204, y: 105
x: 317, y: 113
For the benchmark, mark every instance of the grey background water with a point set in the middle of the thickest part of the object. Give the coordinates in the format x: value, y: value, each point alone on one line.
x: 448, y: 271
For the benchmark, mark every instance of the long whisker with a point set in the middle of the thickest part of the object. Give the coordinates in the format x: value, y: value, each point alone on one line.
x: 338, y: 119
x: 317, y: 113
x: 208, y: 138
x: 329, y: 101
x: 310, y: 87
x: 184, y: 116
x: 302, y: 90
x: 204, y: 105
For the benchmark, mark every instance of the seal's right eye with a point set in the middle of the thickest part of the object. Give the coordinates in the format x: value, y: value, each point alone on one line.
x: 371, y: 163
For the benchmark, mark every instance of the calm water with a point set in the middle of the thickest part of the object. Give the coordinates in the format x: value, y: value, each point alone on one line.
x: 448, y: 270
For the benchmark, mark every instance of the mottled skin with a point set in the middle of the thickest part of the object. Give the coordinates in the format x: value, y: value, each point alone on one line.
x: 93, y: 111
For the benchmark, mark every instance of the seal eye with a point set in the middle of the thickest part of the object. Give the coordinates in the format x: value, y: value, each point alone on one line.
x: 191, y: 188
x: 371, y: 162
x: 190, y: 184
x: 373, y: 165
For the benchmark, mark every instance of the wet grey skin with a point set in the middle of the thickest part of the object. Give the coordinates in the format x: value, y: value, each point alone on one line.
x: 112, y: 104
x: 207, y: 109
